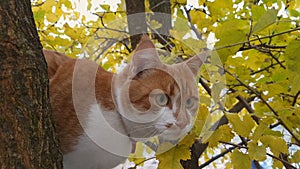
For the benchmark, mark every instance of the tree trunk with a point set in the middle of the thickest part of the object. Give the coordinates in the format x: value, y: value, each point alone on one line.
x: 136, y: 19
x: 162, y: 14
x: 27, y: 137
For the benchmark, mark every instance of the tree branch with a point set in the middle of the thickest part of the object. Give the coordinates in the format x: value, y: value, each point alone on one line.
x: 253, y: 40
x: 268, y: 154
x: 266, y: 68
x: 295, y: 98
x: 258, y: 94
x: 192, y: 26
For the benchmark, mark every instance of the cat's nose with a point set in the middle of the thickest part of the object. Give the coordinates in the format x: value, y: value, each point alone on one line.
x: 182, y: 124
x: 182, y: 120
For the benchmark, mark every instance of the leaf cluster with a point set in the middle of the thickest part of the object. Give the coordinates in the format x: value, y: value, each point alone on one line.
x: 249, y: 89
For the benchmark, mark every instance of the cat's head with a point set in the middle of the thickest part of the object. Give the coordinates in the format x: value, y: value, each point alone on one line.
x: 155, y: 98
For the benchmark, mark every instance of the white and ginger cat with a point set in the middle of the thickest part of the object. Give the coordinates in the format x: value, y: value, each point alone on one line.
x: 100, y: 115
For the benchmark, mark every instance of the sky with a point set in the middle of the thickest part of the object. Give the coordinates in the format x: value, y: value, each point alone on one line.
x: 81, y: 5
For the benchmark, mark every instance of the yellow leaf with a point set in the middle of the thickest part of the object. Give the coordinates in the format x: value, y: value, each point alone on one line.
x: 105, y: 7
x: 219, y: 8
x: 171, y: 159
x: 200, y: 19
x: 243, y: 126
x: 188, y: 140
x: 48, y: 5
x: 61, y: 41
x: 72, y: 32
x: 202, y: 119
x: 240, y: 160
x: 276, y: 144
x: 296, y: 157
x: 256, y: 152
x: 137, y: 157
x: 68, y: 3
x: 277, y: 164
x: 51, y: 17
x: 222, y: 134
x: 259, y: 131
x: 155, y: 25
x: 181, y: 2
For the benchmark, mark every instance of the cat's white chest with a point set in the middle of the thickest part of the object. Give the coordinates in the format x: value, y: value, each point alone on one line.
x: 101, y: 146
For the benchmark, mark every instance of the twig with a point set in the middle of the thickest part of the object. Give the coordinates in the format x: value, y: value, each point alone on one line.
x: 159, y: 4
x: 199, y: 36
x: 141, y: 162
x: 266, y: 103
x: 281, y: 160
x: 265, y: 37
x: 268, y: 154
x: 252, y: 90
x: 295, y: 98
x: 266, y: 68
x: 212, y: 159
x: 235, y: 145
x: 161, y: 37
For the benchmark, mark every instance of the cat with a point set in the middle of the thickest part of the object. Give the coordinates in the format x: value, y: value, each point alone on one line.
x: 99, y: 116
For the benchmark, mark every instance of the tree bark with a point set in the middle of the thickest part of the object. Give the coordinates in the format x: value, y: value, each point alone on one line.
x: 136, y: 19
x: 162, y: 14
x: 27, y: 137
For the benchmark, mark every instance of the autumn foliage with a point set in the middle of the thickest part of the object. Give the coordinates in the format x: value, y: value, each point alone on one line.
x: 249, y: 87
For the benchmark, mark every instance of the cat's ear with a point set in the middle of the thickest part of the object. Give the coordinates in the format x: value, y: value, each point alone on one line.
x: 145, y: 56
x: 196, y: 62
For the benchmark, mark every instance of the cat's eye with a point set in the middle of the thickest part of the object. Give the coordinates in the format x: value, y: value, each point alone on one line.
x: 189, y: 102
x: 161, y: 99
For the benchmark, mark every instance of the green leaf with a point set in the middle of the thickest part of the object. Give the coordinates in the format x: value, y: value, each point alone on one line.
x: 293, y: 64
x: 219, y: 8
x: 39, y: 15
x: 171, y: 159
x: 294, y: 13
x: 257, y: 12
x: 243, y: 126
x: 240, y: 160
x: 230, y: 32
x: 292, y: 56
x: 266, y: 20
x: 256, y: 152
